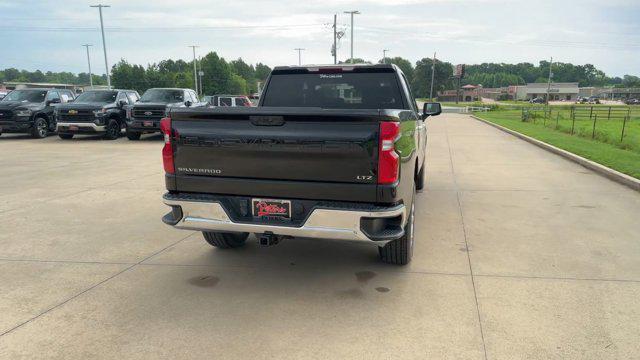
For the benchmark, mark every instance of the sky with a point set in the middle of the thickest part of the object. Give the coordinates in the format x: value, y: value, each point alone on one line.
x: 48, y: 34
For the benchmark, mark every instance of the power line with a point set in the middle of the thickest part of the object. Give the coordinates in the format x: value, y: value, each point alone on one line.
x: 155, y: 28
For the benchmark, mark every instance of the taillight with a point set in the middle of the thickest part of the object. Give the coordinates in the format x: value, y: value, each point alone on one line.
x: 167, y: 150
x: 388, y: 159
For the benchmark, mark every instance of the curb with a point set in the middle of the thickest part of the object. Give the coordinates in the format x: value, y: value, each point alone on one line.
x: 602, y: 170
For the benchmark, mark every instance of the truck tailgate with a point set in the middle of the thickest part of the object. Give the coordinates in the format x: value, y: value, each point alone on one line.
x: 294, y: 144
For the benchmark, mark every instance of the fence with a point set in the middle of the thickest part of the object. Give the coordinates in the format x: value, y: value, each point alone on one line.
x: 619, y: 125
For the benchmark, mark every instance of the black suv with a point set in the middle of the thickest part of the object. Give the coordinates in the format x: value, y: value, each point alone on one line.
x: 154, y: 105
x: 31, y: 111
x: 95, y: 112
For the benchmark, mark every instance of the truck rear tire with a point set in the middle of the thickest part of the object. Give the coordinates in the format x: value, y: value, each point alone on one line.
x: 133, y: 135
x: 400, y: 251
x: 225, y: 240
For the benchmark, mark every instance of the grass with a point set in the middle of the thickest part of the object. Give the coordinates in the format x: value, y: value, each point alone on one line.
x: 605, y: 148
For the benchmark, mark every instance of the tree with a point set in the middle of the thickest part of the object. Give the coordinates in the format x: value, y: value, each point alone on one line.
x: 127, y: 76
x: 217, y: 79
x: 404, y: 65
x: 262, y: 72
x: 237, y: 85
x: 421, y: 83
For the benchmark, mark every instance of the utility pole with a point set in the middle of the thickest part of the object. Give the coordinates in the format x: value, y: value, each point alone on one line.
x: 433, y: 75
x: 549, y: 82
x: 384, y: 55
x: 200, y: 74
x: 335, y: 39
x: 195, y: 71
x: 104, y: 44
x: 352, y: 12
x: 89, y: 62
x: 299, y: 50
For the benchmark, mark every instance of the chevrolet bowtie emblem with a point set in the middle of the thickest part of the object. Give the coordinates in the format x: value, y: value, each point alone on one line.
x: 148, y: 113
x: 73, y: 112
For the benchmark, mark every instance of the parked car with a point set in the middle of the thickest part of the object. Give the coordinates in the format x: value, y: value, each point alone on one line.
x: 537, y: 100
x: 31, y: 111
x: 154, y: 104
x: 593, y: 100
x: 229, y: 100
x: 581, y: 100
x: 95, y: 112
x: 632, y: 101
x: 334, y: 152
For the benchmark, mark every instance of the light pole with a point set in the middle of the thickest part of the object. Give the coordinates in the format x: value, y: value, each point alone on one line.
x: 89, y: 62
x: 549, y: 81
x: 104, y: 44
x: 384, y: 55
x: 195, y: 71
x: 299, y: 50
x: 352, y: 12
x: 433, y: 75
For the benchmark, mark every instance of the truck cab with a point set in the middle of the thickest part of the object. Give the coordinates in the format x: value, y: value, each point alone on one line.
x: 155, y: 104
x: 31, y: 111
x: 95, y: 112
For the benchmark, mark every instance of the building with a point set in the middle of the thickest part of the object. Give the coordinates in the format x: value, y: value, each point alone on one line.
x: 467, y: 93
x: 16, y: 85
x: 557, y: 91
x: 610, y: 93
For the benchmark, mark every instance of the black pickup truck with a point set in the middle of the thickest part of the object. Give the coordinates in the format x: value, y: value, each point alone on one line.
x: 155, y: 104
x: 31, y: 111
x: 95, y: 112
x: 333, y: 152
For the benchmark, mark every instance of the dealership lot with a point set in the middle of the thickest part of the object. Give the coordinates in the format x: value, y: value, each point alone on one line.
x: 519, y: 254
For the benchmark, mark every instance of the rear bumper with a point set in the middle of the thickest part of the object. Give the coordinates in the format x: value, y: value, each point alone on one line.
x: 376, y: 226
x: 83, y: 128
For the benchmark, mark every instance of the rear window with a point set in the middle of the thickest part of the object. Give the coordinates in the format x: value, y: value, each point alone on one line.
x: 335, y: 91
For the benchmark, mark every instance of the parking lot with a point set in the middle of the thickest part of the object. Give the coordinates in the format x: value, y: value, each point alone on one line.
x: 519, y: 254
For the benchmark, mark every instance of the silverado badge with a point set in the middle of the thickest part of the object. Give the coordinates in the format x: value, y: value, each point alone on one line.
x: 73, y: 112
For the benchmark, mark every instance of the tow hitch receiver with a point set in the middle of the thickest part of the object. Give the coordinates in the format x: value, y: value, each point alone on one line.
x: 269, y: 239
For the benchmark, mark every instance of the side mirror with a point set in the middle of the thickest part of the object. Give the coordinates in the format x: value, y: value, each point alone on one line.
x: 431, y: 109
x: 53, y: 101
x: 122, y: 103
x: 187, y: 103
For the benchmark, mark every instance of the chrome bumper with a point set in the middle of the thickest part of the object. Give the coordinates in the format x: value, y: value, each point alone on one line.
x: 94, y: 127
x: 322, y: 223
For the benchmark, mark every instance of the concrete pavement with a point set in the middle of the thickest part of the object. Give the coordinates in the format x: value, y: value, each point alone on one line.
x: 520, y: 254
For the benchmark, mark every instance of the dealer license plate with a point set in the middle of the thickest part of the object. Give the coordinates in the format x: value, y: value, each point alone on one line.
x: 271, y: 208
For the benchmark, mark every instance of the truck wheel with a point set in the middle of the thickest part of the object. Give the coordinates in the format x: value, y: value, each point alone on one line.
x: 133, y: 135
x: 66, y: 136
x: 113, y: 130
x: 420, y: 178
x: 400, y: 251
x: 40, y: 128
x: 225, y: 240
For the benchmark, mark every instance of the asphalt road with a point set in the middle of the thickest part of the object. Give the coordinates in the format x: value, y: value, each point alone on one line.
x: 520, y: 254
